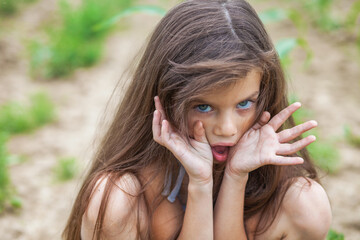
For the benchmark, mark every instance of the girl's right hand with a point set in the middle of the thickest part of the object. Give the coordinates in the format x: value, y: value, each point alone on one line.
x: 196, y: 158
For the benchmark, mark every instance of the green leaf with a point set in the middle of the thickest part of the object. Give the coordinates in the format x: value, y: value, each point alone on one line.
x: 325, y: 154
x: 333, y: 235
x: 285, y: 46
x: 66, y: 168
x: 298, y: 19
x: 152, y: 10
x: 309, y: 53
x: 16, y: 202
x: 352, y: 16
x: 350, y: 137
x: 273, y: 15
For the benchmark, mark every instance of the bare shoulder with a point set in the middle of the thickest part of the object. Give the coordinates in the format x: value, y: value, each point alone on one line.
x: 307, y: 208
x: 121, y: 210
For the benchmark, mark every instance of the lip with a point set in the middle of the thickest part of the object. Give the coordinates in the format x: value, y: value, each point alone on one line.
x: 222, y: 144
x: 221, y: 157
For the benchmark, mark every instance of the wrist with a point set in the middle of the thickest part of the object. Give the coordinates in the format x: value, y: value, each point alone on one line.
x: 236, y: 176
x: 200, y: 186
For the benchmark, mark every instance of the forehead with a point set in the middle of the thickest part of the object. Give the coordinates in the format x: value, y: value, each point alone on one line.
x: 239, y: 89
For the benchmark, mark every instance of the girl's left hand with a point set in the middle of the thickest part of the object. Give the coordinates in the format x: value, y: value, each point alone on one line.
x: 262, y: 145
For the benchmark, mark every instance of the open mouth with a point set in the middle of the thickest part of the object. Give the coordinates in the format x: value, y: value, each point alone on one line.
x: 220, y: 153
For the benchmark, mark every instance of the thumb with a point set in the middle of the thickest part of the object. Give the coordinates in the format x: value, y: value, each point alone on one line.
x: 264, y: 119
x: 199, y: 132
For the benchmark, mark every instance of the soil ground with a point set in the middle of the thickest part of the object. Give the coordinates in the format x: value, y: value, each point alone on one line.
x: 329, y: 88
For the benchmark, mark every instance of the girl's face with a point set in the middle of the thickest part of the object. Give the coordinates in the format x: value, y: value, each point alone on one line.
x: 227, y: 113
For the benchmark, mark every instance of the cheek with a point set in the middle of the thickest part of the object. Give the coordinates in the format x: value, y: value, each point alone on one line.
x: 193, y: 118
x: 246, y: 122
x: 191, y: 122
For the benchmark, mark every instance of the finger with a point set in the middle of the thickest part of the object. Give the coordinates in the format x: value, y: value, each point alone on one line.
x: 159, y: 107
x: 287, y: 148
x: 281, y: 160
x: 156, y: 127
x: 165, y: 133
x: 199, y: 132
x: 265, y: 117
x: 290, y: 134
x: 281, y: 117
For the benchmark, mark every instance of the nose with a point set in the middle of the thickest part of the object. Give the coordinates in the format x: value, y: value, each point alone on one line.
x: 225, y: 125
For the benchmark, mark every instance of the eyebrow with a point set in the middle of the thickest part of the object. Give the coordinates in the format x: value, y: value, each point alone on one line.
x: 255, y: 94
x: 251, y: 96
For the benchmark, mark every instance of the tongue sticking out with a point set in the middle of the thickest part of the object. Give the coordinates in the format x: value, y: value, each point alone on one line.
x: 220, y: 153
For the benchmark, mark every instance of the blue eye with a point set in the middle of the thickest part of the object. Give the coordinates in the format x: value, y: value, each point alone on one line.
x: 244, y: 104
x: 203, y: 108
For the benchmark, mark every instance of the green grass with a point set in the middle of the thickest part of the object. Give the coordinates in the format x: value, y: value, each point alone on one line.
x: 285, y: 46
x: 333, y: 235
x: 325, y: 15
x: 324, y: 152
x: 350, y: 137
x: 18, y: 118
x: 351, y: 19
x: 318, y: 12
x: 4, y: 174
x: 321, y: 13
x: 7, y: 191
x: 74, y: 43
x: 66, y: 169
x: 10, y: 7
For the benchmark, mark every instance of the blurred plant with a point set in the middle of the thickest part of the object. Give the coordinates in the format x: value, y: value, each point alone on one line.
x: 41, y: 108
x: 127, y: 12
x: 298, y: 20
x: 322, y: 151
x: 320, y: 11
x: 79, y: 39
x: 280, y: 14
x: 302, y: 114
x: 352, y: 17
x: 74, y: 43
x: 285, y: 46
x: 321, y: 14
x: 66, y: 169
x: 9, y: 7
x: 273, y: 15
x: 333, y: 235
x: 7, y: 191
x: 350, y: 137
x: 17, y: 118
x: 352, y: 21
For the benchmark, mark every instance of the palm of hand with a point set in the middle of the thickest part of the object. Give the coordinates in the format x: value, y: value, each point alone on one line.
x: 196, y: 157
x: 262, y: 145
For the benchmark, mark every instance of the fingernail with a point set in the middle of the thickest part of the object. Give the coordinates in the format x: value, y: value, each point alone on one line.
x: 314, y: 122
x: 297, y: 104
x: 312, y: 137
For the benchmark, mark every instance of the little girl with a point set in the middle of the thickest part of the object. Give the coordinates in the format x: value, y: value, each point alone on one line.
x: 203, y: 145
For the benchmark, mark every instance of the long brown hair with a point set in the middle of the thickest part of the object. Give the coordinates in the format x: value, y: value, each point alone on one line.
x: 197, y: 46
